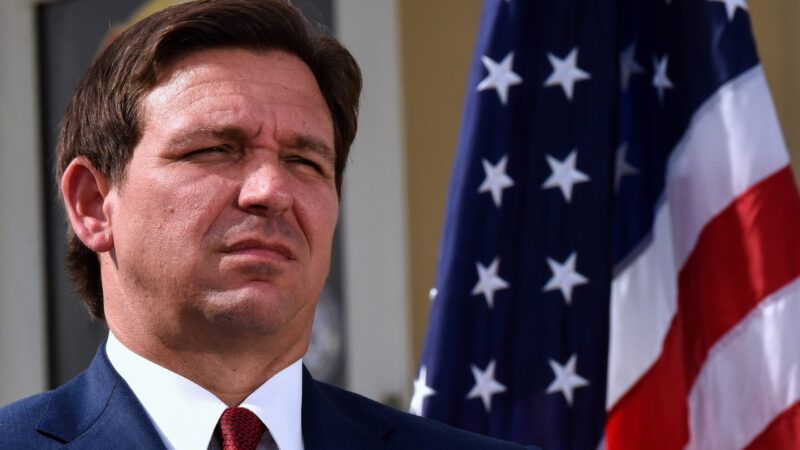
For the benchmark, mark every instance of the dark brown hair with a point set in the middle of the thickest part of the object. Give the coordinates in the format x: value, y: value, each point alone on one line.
x: 104, y: 123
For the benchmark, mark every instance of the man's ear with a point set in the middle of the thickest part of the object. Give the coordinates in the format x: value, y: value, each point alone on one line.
x: 85, y: 191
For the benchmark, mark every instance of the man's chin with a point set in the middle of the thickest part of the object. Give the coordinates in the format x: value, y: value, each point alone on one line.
x: 255, y: 307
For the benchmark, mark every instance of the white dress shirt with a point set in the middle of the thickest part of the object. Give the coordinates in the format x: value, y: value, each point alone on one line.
x: 185, y: 414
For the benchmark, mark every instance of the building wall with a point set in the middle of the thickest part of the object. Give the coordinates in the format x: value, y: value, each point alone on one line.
x: 373, y: 215
x: 22, y: 288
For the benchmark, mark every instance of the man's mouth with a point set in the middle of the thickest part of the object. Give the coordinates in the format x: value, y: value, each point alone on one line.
x: 260, y: 249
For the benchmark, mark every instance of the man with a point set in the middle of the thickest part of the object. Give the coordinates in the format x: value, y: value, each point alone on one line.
x: 200, y: 163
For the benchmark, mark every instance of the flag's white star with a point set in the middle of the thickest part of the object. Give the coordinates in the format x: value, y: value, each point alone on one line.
x: 628, y: 65
x: 565, y: 277
x: 566, y: 72
x: 485, y: 385
x: 421, y: 392
x: 432, y: 294
x: 564, y: 175
x: 500, y: 77
x: 660, y: 79
x: 496, y: 180
x: 489, y: 281
x: 731, y: 6
x: 622, y: 167
x: 566, y: 380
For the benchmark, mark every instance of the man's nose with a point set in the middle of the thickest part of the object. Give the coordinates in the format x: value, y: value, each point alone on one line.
x: 266, y: 189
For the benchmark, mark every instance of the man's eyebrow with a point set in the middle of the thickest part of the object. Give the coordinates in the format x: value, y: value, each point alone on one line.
x: 306, y: 142
x: 237, y: 134
x: 228, y: 133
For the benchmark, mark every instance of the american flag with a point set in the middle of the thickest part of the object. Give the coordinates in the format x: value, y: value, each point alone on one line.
x: 620, y: 263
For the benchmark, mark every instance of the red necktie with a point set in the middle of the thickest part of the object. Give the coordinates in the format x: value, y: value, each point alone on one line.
x: 240, y: 429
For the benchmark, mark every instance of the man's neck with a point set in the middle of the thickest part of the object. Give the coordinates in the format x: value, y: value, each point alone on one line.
x: 230, y: 368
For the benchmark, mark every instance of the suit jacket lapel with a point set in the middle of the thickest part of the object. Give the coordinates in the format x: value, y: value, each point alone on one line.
x: 334, y: 421
x: 98, y: 410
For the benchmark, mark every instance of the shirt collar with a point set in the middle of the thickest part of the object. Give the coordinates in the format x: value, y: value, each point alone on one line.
x: 185, y: 414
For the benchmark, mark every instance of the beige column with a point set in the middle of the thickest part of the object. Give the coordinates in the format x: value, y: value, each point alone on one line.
x: 438, y: 38
x: 778, y: 39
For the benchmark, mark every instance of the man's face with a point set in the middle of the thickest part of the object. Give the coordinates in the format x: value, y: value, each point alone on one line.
x: 227, y: 211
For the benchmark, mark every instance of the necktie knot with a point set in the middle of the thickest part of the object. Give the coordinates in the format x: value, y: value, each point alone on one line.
x: 240, y: 429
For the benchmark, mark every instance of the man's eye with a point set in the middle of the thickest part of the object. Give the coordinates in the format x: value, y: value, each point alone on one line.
x: 306, y: 162
x: 208, y: 150
x: 216, y: 151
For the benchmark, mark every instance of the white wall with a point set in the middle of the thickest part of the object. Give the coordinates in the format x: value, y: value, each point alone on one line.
x: 22, y: 287
x: 374, y: 208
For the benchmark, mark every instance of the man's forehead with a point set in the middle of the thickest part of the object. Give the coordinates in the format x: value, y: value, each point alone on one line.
x: 229, y: 88
x: 232, y: 60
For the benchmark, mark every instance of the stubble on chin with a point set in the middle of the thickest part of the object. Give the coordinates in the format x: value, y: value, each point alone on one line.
x: 257, y: 308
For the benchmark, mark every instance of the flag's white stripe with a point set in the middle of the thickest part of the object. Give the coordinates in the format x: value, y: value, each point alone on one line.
x: 642, y: 306
x: 732, y: 142
x: 750, y: 376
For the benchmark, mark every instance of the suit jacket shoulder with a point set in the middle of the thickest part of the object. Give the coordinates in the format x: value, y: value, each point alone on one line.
x: 353, y: 421
x: 18, y: 423
x: 96, y: 409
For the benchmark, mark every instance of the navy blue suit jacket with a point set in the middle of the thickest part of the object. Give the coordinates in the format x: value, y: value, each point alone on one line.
x: 98, y: 410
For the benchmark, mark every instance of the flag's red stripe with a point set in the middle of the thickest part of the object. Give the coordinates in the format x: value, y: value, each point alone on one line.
x: 782, y: 433
x: 748, y: 251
